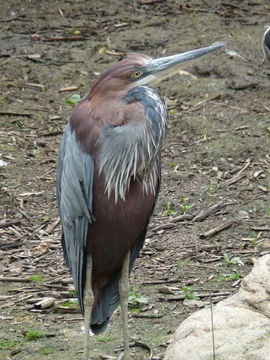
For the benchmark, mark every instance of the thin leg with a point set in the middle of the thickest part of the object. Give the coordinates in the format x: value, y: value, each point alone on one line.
x: 123, y: 291
x: 88, y: 304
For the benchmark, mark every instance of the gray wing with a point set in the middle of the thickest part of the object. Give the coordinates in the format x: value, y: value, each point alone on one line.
x: 75, y: 196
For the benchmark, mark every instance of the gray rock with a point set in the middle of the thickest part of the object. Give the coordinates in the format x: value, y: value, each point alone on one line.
x: 241, y: 324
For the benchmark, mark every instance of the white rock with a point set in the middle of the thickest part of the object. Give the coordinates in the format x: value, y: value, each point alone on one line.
x: 241, y: 324
x: 3, y: 163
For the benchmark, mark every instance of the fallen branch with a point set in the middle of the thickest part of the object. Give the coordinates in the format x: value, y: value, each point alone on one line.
x: 263, y: 228
x: 172, y: 222
x: 9, y: 223
x: 233, y: 180
x: 12, y: 113
x: 209, y: 211
x: 65, y: 38
x: 240, y: 175
x: 70, y: 88
x: 147, y: 316
x: 13, y: 278
x: 216, y: 230
x: 13, y: 245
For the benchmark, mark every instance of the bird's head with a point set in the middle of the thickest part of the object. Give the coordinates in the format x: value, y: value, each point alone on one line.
x: 138, y: 69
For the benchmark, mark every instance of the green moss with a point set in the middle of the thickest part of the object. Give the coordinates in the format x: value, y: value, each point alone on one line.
x: 47, y: 351
x: 103, y: 339
x: 34, y: 334
x: 37, y: 278
x: 8, y: 344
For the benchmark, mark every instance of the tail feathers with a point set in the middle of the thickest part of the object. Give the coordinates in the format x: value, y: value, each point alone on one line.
x: 110, y: 297
x: 109, y: 302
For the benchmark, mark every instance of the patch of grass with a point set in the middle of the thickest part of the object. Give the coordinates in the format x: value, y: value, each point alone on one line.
x: 232, y: 261
x: 73, y: 100
x: 175, y: 166
x: 135, y: 299
x: 185, y: 207
x: 46, y: 218
x: 103, y: 339
x: 34, y: 334
x: 212, y: 189
x: 47, y: 351
x: 135, y: 310
x: 2, y: 100
x: 169, y: 210
x: 71, y: 303
x: 7, y: 344
x: 230, y: 277
x: 189, y: 295
x: 37, y: 278
x: 254, y: 240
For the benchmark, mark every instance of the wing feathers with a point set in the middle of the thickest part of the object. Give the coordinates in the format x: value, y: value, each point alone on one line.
x: 75, y: 197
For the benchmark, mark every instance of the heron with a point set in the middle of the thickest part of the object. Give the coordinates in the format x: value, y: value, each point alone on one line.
x: 108, y: 180
x: 266, y: 44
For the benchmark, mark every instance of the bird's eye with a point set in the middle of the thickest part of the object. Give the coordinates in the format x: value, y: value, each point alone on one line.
x: 136, y: 74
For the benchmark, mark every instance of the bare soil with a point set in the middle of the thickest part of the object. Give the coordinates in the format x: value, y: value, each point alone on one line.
x: 215, y: 164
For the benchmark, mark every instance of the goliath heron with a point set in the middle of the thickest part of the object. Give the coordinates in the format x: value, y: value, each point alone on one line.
x: 266, y: 43
x: 108, y: 181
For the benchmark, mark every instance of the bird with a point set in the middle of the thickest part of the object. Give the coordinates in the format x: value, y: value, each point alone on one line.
x: 266, y: 44
x: 108, y: 180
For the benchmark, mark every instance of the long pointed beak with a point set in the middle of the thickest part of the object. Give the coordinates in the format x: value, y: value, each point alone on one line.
x: 159, y: 69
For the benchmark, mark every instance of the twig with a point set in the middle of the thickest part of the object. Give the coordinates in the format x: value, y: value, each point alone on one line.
x: 115, y: 53
x: 11, y: 113
x: 233, y: 180
x: 147, y: 316
x: 189, y: 9
x: 6, y: 318
x: 65, y: 38
x: 263, y: 228
x: 13, y: 278
x: 160, y: 282
x: 9, y: 223
x: 163, y: 226
x: 203, y: 102
x: 216, y: 230
x: 172, y: 222
x: 70, y: 88
x: 209, y: 211
x: 120, y: 25
x: 12, y: 18
x: 25, y: 214
x: 55, y: 133
x: 147, y: 2
x: 140, y: 344
x: 240, y: 175
x: 53, y: 226
x: 13, y: 245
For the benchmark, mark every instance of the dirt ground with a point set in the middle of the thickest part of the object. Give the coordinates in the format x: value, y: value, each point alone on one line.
x: 212, y: 216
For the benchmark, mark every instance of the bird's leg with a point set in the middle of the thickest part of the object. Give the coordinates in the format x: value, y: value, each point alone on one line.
x: 123, y: 291
x: 88, y: 304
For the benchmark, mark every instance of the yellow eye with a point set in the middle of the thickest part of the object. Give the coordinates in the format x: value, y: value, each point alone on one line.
x: 136, y: 74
